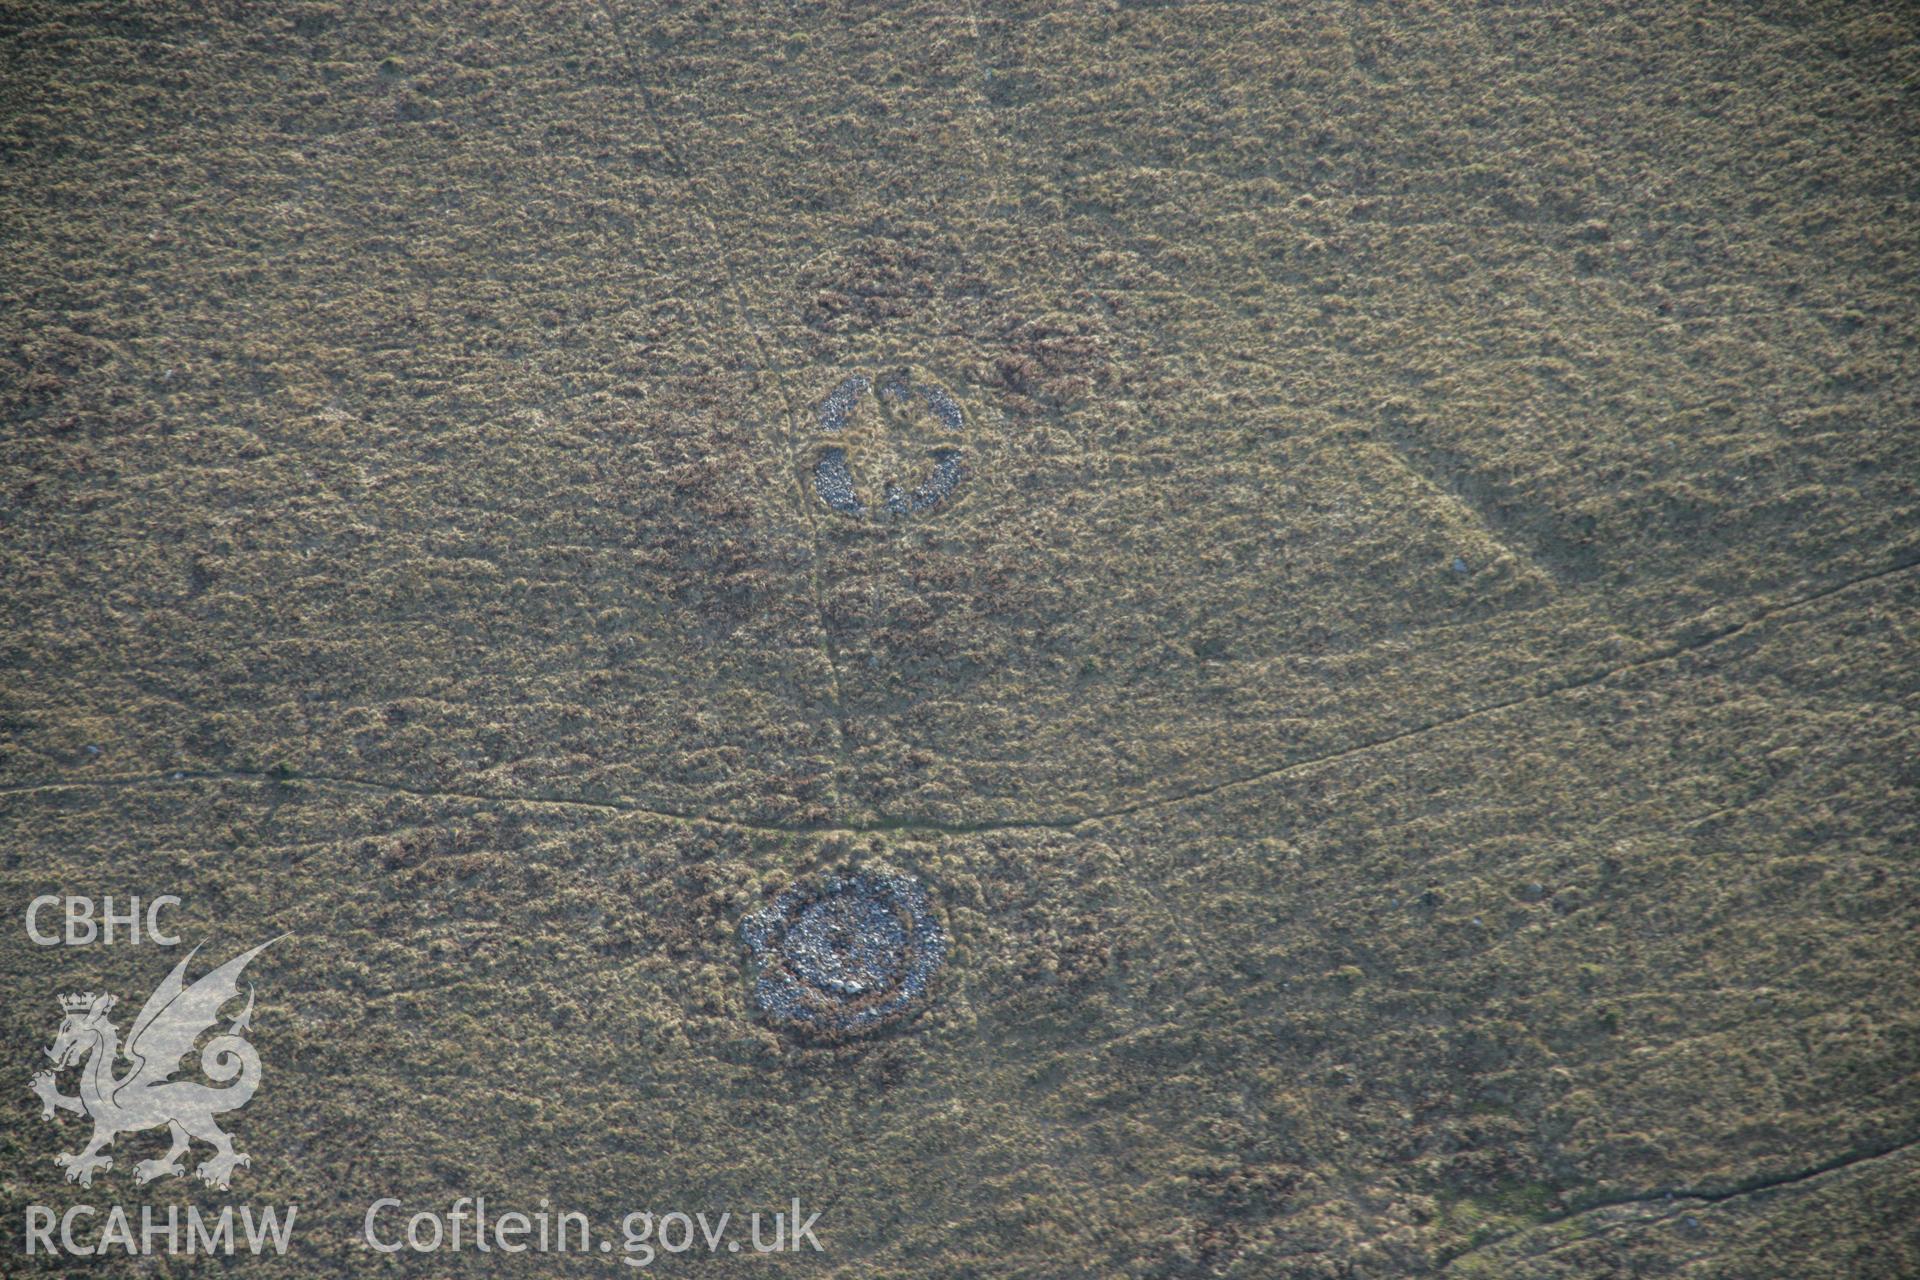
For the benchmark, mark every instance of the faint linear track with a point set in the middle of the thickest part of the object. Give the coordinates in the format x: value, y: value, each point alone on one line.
x: 1570, y: 684
x: 1664, y: 654
x: 1682, y: 1199
x: 983, y: 108
x: 703, y: 225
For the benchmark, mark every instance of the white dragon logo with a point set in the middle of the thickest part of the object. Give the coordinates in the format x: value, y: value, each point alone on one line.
x: 173, y: 1018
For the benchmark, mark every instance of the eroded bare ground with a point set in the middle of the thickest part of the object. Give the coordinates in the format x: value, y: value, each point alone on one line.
x: 1408, y: 716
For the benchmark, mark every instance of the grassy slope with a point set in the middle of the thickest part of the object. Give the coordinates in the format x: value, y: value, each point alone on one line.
x: 407, y: 415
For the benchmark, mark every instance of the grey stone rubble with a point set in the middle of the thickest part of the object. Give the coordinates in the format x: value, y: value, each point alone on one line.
x: 833, y: 481
x: 840, y: 402
x: 833, y: 475
x: 944, y: 407
x: 947, y: 474
x: 845, y: 952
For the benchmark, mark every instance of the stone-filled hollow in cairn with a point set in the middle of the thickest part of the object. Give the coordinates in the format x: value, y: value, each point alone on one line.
x: 843, y: 953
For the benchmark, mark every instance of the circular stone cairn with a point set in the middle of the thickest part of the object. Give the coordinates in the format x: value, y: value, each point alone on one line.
x: 845, y: 952
x: 833, y: 475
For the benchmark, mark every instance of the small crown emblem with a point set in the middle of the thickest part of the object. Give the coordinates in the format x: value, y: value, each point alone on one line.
x: 77, y: 1003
